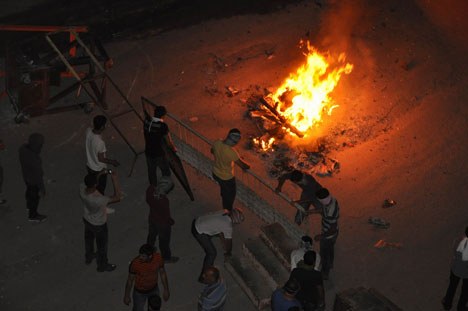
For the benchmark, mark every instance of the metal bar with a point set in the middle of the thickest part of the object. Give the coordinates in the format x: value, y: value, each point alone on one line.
x: 121, y: 113
x: 96, y: 62
x: 43, y: 28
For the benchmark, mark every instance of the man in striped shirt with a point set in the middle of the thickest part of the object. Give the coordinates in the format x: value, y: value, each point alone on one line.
x: 213, y: 296
x: 330, y: 214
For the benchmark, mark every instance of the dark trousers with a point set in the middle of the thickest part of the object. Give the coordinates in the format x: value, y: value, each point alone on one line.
x: 32, y: 199
x: 164, y: 233
x: 102, y: 181
x: 140, y: 298
x: 100, y: 234
x: 452, y: 288
x: 327, y: 254
x: 153, y: 164
x: 228, y: 191
x: 205, y: 242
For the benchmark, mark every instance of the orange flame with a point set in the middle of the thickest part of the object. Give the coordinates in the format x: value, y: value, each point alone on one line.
x: 309, y: 88
x: 264, y: 145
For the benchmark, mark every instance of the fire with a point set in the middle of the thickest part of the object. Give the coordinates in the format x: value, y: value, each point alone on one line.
x: 304, y: 96
x: 263, y: 144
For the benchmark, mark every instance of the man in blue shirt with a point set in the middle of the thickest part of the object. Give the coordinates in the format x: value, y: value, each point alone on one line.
x: 283, y: 299
x: 213, y: 296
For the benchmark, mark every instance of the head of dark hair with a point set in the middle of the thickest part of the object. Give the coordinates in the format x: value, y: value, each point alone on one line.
x: 90, y: 180
x: 160, y: 111
x: 296, y: 176
x: 309, y: 258
x: 234, y: 131
x: 322, y: 193
x: 292, y: 286
x: 154, y: 302
x: 307, y: 239
x: 147, y: 249
x: 99, y: 122
x: 214, y: 271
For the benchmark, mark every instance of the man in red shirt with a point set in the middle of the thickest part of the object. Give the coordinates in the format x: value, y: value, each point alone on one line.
x: 159, y: 219
x: 144, y: 271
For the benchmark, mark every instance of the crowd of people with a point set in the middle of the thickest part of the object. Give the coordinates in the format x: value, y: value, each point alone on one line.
x: 304, y: 289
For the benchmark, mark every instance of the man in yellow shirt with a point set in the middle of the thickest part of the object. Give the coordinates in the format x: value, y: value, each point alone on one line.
x: 223, y: 171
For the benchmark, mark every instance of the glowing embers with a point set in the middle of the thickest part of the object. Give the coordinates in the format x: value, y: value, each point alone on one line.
x: 304, y: 96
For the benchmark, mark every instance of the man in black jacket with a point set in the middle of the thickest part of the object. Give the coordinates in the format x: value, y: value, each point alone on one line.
x: 31, y: 166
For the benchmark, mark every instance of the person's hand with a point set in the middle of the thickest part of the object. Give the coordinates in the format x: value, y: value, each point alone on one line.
x: 318, y: 237
x: 115, y: 163
x: 166, y: 295
x: 127, y: 300
x: 41, y: 194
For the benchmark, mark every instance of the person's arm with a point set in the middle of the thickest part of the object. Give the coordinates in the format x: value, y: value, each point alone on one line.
x: 116, y: 196
x: 103, y: 159
x: 227, y: 245
x: 128, y: 288
x: 333, y: 229
x: 281, y: 181
x: 321, y: 297
x: 165, y: 283
x: 169, y: 141
x: 244, y: 165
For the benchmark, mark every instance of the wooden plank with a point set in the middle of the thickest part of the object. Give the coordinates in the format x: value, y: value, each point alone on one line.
x: 281, y: 118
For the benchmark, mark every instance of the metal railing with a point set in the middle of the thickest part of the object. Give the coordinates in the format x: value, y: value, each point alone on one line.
x: 278, y: 201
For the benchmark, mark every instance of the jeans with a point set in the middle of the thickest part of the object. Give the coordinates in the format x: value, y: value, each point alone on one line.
x: 100, y: 234
x: 164, y: 233
x: 327, y: 253
x: 228, y: 191
x: 32, y: 199
x: 154, y: 163
x: 205, y: 242
x: 101, y: 183
x: 140, y: 298
x: 452, y: 288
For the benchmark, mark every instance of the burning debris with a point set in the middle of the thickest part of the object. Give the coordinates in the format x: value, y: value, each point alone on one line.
x: 290, y: 114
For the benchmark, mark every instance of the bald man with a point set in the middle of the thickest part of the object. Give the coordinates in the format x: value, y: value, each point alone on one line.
x: 213, y: 296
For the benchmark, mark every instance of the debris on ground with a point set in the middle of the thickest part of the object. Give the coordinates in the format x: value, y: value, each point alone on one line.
x: 193, y: 119
x: 388, y: 203
x: 231, y: 91
x: 384, y: 244
x: 378, y: 223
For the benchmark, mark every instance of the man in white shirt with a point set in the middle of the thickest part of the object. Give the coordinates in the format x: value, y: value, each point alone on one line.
x: 96, y: 152
x: 298, y: 254
x: 95, y: 219
x: 217, y: 224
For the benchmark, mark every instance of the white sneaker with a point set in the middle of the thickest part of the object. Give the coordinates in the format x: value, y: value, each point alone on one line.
x: 110, y: 210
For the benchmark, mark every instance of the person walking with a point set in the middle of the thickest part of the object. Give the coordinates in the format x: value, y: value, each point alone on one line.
x: 156, y: 133
x: 143, y: 274
x: 458, y: 270
x: 283, y: 299
x: 219, y: 224
x: 311, y: 295
x: 297, y: 255
x: 223, y: 171
x: 213, y: 296
x: 95, y: 219
x: 309, y: 187
x: 31, y: 167
x: 330, y: 213
x: 2, y: 200
x: 96, y: 152
x: 159, y: 218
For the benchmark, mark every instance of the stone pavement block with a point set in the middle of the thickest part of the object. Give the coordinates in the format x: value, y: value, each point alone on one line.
x: 279, y: 242
x: 362, y: 299
x: 267, y: 263
x: 251, y: 282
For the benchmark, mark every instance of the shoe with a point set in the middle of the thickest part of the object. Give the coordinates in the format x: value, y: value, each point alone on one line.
x: 90, y: 260
x: 38, y: 219
x: 110, y: 210
x: 444, y: 304
x: 109, y: 267
x: 173, y: 259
